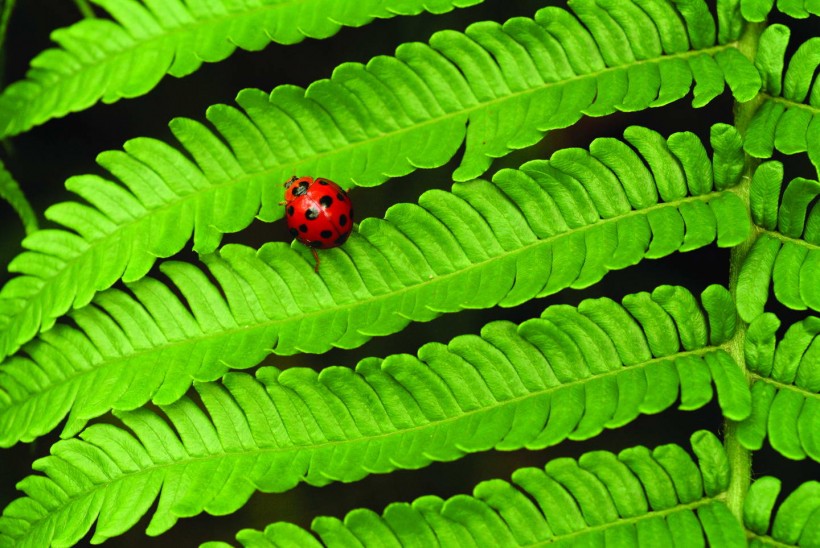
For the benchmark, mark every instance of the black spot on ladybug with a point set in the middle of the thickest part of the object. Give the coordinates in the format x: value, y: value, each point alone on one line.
x: 317, y: 243
x: 311, y: 213
x: 340, y: 196
x: 325, y: 201
x: 290, y: 210
x: 342, y: 219
x: 301, y: 189
x: 322, y: 182
x: 341, y: 239
x: 294, y: 232
x: 325, y: 234
x: 303, y: 228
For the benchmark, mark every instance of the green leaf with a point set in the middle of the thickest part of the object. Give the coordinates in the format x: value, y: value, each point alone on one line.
x: 770, y: 56
x: 100, y: 59
x: 786, y: 384
x: 759, y: 503
x: 568, y: 502
x: 472, y: 394
x: 533, y: 232
x: 787, y: 256
x: 494, y: 89
x: 11, y: 192
x: 789, y: 118
x: 721, y: 312
x: 756, y: 11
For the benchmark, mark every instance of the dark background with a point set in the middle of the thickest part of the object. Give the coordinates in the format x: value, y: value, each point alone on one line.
x: 44, y: 157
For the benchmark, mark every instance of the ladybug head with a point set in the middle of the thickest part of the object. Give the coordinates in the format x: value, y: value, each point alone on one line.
x: 296, y: 186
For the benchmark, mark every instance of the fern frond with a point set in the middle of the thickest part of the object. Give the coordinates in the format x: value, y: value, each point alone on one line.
x: 758, y: 10
x: 598, y: 366
x: 553, y: 224
x: 786, y: 253
x: 789, y: 118
x: 128, y: 55
x: 639, y: 497
x: 785, y: 388
x: 11, y: 192
x: 797, y: 522
x: 496, y: 88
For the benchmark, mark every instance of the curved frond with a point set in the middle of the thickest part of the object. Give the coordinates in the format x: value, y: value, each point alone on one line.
x: 785, y: 388
x: 553, y: 224
x: 494, y: 88
x: 568, y: 374
x: 129, y: 54
x: 786, y: 253
x: 789, y: 118
x: 758, y: 10
x: 797, y: 521
x: 11, y: 192
x: 639, y: 497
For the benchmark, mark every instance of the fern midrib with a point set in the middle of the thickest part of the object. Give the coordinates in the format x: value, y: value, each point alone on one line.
x: 781, y: 385
x: 791, y: 103
x: 767, y: 540
x: 680, y: 507
x: 442, y: 278
x: 787, y: 239
x: 315, y: 447
x: 290, y: 167
x: 738, y: 457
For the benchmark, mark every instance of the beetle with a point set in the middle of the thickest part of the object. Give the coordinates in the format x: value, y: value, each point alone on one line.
x: 318, y: 213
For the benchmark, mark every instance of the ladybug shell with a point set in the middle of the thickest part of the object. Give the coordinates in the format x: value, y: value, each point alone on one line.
x: 318, y: 212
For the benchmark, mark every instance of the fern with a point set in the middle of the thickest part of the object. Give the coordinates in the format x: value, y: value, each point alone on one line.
x: 476, y: 247
x: 787, y: 253
x: 509, y: 84
x: 11, y: 192
x: 789, y: 118
x: 637, y: 498
x: 136, y: 351
x: 569, y: 374
x: 127, y: 56
x: 785, y: 388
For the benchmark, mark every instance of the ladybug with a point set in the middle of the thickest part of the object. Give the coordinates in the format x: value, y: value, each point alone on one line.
x: 318, y: 212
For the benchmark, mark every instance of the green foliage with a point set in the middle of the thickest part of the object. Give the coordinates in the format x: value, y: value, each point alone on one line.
x: 636, y: 498
x: 552, y: 224
x: 10, y: 191
x: 126, y: 56
x: 139, y: 357
x: 495, y: 88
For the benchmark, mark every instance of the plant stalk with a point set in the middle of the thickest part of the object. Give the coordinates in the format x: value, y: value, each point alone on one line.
x: 85, y: 9
x: 740, y: 458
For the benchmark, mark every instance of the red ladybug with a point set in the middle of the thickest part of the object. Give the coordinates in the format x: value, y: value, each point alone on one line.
x: 318, y: 212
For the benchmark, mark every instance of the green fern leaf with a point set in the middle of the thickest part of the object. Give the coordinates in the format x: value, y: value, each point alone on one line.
x: 796, y: 522
x: 789, y: 118
x: 800, y: 9
x: 495, y: 88
x: 636, y: 498
x: 11, y: 192
x: 598, y: 364
x: 128, y: 55
x: 785, y: 388
x: 786, y: 254
x: 553, y: 224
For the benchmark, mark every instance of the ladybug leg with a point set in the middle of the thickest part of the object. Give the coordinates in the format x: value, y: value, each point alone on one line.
x: 315, y: 256
x: 289, y: 181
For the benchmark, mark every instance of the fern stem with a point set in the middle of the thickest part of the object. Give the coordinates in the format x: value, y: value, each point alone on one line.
x: 8, y: 8
x: 740, y: 458
x: 85, y: 9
